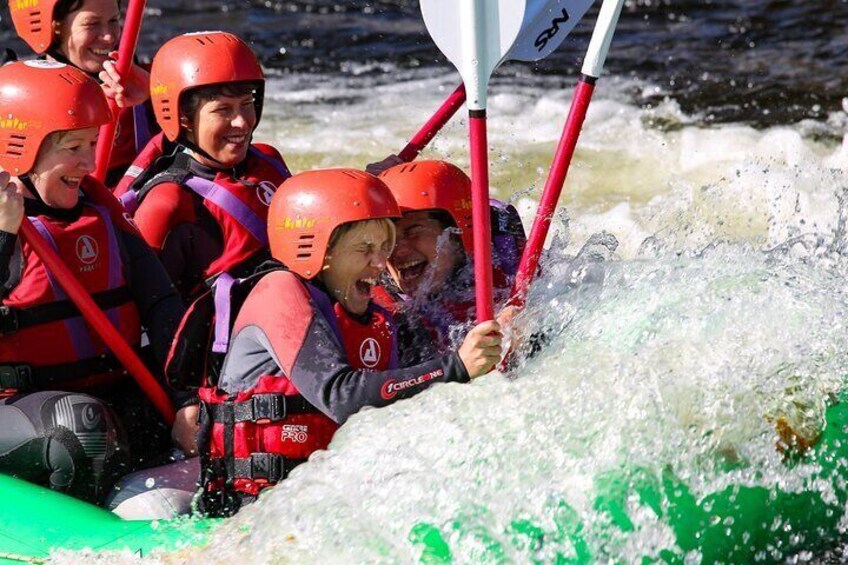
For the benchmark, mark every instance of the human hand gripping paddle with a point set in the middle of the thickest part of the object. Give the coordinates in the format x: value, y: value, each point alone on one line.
x: 475, y: 35
x: 546, y: 24
x: 126, y: 52
x: 596, y: 55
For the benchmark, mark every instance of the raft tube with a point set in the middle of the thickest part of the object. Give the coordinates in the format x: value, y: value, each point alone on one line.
x: 35, y: 521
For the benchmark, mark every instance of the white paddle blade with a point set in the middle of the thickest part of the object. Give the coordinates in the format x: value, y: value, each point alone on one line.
x: 546, y: 24
x: 596, y: 54
x: 474, y: 35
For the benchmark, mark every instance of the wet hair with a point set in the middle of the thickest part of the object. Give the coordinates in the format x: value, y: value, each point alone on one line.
x: 65, y: 7
x: 191, y: 101
x: 344, y: 229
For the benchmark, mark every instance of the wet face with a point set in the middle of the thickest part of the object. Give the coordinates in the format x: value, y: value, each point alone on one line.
x: 222, y: 127
x: 354, y: 264
x: 425, y: 254
x: 87, y: 36
x: 62, y: 162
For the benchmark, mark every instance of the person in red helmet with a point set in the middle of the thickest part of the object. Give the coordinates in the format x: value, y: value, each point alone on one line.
x: 71, y: 440
x: 203, y: 205
x: 309, y: 347
x: 85, y: 34
x: 431, y: 263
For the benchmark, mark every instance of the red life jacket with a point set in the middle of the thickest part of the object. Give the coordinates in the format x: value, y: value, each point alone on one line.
x: 238, y: 206
x: 252, y: 439
x: 44, y: 341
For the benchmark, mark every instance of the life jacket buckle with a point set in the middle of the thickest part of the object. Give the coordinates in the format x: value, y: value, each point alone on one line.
x: 15, y: 377
x: 8, y: 321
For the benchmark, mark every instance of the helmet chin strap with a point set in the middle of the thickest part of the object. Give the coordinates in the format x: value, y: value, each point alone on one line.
x: 183, y: 140
x: 30, y: 186
x: 41, y: 207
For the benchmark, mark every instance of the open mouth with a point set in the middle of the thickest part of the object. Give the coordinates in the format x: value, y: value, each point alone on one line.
x: 364, y: 286
x: 72, y: 182
x: 411, y: 270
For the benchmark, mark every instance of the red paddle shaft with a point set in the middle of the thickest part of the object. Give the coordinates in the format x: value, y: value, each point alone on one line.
x: 434, y: 125
x: 126, y: 52
x: 553, y: 188
x: 480, y: 215
x: 98, y: 320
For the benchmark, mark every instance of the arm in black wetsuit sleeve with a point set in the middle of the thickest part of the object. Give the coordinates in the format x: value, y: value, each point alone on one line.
x: 323, y: 376
x: 159, y: 305
x: 279, y: 329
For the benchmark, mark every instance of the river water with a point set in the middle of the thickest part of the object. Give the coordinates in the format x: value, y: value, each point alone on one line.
x: 694, y: 291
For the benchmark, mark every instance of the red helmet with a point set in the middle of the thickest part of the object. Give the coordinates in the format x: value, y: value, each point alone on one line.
x: 309, y: 206
x: 199, y: 59
x: 434, y: 185
x: 33, y: 21
x: 26, y: 117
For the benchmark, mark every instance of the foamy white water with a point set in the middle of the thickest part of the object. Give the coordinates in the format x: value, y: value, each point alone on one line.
x: 711, y: 303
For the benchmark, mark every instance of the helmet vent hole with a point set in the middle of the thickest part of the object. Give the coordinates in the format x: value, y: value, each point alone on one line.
x: 308, y: 236
x: 304, y: 255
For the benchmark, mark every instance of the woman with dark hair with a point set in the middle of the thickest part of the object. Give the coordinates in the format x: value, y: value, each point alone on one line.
x: 85, y: 34
x: 203, y: 205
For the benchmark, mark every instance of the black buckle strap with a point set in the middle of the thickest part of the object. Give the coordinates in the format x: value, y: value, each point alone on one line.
x: 8, y: 320
x: 259, y: 466
x: 18, y: 377
x: 16, y: 319
x: 25, y: 377
x: 264, y: 406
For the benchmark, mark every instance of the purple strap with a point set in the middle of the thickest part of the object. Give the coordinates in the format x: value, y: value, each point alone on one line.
x: 141, y: 127
x: 129, y: 200
x: 279, y: 166
x: 114, y: 275
x: 230, y: 203
x: 325, y: 306
x: 80, y: 339
x: 506, y: 253
x: 221, y: 287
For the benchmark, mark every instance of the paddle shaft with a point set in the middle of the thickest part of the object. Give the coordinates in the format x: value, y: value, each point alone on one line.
x: 98, y: 321
x: 596, y: 55
x: 553, y: 188
x: 481, y: 215
x: 434, y: 125
x: 126, y: 53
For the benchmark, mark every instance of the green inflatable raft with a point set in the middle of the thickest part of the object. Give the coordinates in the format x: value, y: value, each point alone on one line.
x: 34, y: 521
x: 737, y: 524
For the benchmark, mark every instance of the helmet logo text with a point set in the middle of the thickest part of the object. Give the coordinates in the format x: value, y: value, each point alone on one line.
x: 297, y: 223
x: 22, y: 4
x: 13, y: 123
